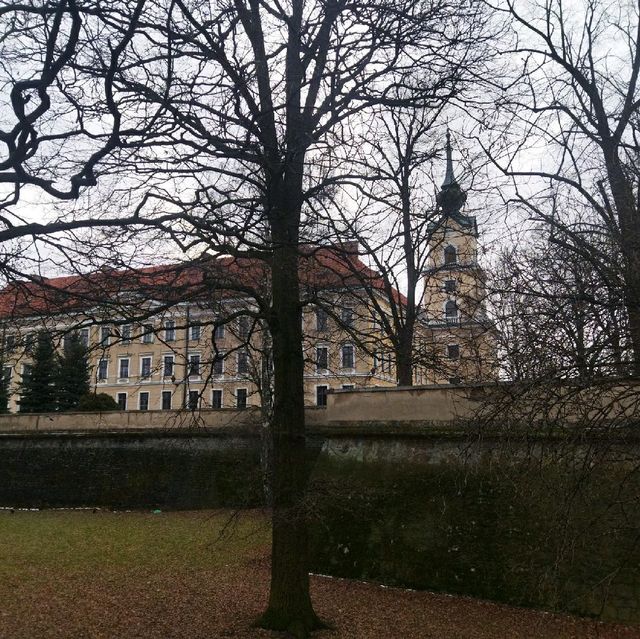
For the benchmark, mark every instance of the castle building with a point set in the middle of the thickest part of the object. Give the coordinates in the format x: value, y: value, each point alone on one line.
x: 192, y: 335
x: 177, y: 336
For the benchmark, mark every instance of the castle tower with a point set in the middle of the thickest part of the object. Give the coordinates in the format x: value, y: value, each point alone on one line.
x: 455, y: 288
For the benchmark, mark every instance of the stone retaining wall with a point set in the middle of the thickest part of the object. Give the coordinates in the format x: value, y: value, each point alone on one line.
x: 442, y: 404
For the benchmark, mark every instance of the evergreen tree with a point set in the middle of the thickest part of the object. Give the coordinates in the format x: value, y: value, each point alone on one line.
x: 38, y: 388
x: 73, y: 379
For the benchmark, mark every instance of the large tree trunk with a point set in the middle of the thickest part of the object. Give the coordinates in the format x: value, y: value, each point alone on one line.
x: 266, y: 407
x: 405, y: 329
x: 290, y: 607
x: 404, y: 357
x: 631, y: 257
x: 628, y: 220
x: 632, y: 304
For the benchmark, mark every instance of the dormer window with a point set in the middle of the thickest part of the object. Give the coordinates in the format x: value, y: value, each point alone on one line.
x: 450, y: 255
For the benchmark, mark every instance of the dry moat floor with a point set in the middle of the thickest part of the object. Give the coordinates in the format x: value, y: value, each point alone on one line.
x: 86, y: 575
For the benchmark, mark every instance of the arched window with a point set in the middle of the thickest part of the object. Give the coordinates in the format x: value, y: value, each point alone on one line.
x: 450, y: 255
x: 451, y: 312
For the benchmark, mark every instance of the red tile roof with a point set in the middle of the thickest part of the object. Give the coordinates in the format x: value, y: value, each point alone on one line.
x: 321, y: 269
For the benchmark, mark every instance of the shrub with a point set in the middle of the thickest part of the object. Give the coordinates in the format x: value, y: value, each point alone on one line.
x: 97, y: 402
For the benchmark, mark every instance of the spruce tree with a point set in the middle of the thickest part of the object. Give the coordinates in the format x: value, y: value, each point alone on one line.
x: 73, y: 379
x: 38, y: 388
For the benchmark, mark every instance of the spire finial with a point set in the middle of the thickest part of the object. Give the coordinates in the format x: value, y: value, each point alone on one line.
x: 451, y: 197
x: 449, y: 178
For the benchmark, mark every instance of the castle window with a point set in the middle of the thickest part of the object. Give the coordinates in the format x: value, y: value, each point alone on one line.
x: 216, y: 398
x: 122, y: 401
x: 453, y: 351
x: 193, y: 400
x: 322, y: 359
x: 321, y: 395
x: 123, y: 371
x: 105, y: 334
x: 450, y: 255
x: 145, y: 367
x: 347, y: 316
x: 241, y: 398
x: 243, y: 362
x: 102, y: 370
x: 451, y: 312
x: 348, y: 356
x: 167, y: 368
x: 143, y: 401
x: 194, y: 365
x: 169, y: 331
x: 66, y: 342
x: 147, y: 334
x: 166, y: 400
x: 450, y: 286
x: 321, y: 319
x: 244, y: 327
x: 218, y: 364
x: 10, y: 343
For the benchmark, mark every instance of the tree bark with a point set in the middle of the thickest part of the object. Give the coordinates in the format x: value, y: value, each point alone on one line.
x: 628, y: 219
x: 405, y: 329
x: 289, y: 607
x: 404, y: 357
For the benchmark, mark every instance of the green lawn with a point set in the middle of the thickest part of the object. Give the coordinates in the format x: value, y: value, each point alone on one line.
x: 81, y: 539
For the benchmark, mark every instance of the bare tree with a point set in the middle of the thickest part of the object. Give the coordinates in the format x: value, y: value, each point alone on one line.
x: 398, y: 247
x: 216, y: 124
x: 558, y: 317
x: 577, y: 97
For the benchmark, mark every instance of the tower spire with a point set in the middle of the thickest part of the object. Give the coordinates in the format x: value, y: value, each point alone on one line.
x: 451, y: 197
x: 449, y: 178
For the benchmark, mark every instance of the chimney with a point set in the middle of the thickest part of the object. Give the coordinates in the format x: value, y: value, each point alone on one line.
x: 350, y: 247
